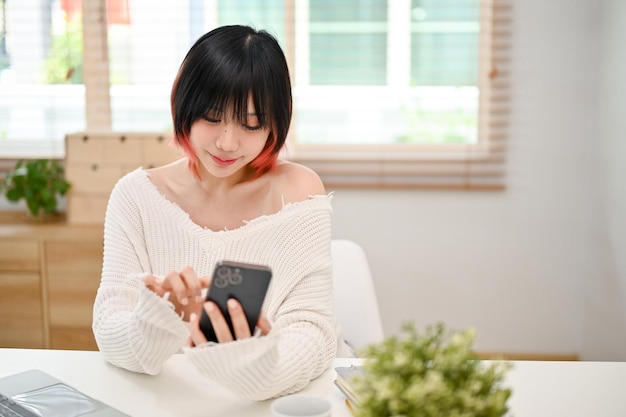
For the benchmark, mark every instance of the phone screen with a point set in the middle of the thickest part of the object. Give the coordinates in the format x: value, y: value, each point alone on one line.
x: 246, y: 283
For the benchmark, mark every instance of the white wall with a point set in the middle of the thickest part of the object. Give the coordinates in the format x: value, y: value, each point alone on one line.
x: 604, y: 329
x: 536, y: 268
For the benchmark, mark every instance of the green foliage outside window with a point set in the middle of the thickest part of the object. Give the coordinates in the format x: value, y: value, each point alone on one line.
x: 64, y: 65
x: 4, y: 58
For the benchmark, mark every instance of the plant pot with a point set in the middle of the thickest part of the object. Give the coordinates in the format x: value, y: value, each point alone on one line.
x: 43, y: 217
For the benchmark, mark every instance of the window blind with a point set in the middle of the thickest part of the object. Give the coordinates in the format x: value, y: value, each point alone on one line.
x: 472, y: 166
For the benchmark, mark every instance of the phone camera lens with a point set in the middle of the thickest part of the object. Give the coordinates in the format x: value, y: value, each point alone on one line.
x: 236, y: 277
x: 222, y: 277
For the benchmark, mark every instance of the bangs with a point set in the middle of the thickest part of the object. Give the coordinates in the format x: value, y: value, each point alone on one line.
x: 230, y: 102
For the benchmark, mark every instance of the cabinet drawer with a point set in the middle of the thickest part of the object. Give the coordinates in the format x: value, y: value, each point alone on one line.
x: 64, y: 257
x: 122, y: 149
x: 21, y: 323
x: 93, y: 178
x: 87, y: 208
x: 73, y: 271
x: 71, y: 296
x: 72, y: 338
x: 83, y: 148
x: 158, y: 150
x: 19, y: 255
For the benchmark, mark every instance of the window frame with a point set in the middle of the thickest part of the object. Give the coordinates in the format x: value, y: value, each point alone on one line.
x: 479, y: 166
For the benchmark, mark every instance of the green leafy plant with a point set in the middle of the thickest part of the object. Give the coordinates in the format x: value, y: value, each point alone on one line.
x: 39, y: 182
x: 64, y: 64
x: 431, y: 374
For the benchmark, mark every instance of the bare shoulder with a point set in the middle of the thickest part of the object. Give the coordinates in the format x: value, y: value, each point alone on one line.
x: 166, y: 177
x: 297, y: 182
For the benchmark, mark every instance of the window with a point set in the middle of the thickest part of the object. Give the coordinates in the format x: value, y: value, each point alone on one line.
x: 387, y: 93
x: 41, y: 91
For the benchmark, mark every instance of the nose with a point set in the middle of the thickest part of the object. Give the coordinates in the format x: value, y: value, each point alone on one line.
x: 227, y: 140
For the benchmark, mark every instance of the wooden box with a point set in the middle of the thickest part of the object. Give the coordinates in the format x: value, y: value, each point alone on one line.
x: 95, y: 161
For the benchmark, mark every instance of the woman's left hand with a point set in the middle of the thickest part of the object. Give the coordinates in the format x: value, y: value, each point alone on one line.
x: 222, y: 331
x: 184, y: 288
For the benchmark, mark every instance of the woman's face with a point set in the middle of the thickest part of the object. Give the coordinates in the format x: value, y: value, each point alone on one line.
x: 224, y: 147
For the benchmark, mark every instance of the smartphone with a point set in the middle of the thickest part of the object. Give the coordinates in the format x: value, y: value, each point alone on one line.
x: 246, y: 283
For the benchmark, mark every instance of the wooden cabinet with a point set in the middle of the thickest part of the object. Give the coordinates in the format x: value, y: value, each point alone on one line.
x: 20, y: 294
x: 73, y: 274
x: 20, y: 310
x: 94, y: 162
x: 49, y: 275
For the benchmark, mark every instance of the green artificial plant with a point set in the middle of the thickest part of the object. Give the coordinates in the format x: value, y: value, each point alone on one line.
x: 39, y: 182
x: 433, y: 374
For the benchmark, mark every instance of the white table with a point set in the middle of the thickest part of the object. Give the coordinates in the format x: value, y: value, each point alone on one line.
x: 178, y: 391
x: 550, y: 389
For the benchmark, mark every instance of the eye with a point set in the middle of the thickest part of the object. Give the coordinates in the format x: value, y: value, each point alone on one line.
x: 252, y: 124
x: 252, y: 128
x: 211, y: 119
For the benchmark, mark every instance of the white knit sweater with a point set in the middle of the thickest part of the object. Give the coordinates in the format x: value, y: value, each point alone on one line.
x: 137, y: 330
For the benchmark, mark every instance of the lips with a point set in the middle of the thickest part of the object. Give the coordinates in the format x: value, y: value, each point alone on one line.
x: 223, y: 162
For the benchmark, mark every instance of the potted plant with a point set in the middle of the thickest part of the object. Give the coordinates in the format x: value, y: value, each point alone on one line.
x: 431, y: 374
x: 39, y: 182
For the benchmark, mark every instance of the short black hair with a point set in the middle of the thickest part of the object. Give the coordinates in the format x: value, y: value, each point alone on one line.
x: 220, y: 72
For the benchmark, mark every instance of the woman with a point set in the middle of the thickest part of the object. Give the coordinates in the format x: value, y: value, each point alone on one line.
x: 230, y: 198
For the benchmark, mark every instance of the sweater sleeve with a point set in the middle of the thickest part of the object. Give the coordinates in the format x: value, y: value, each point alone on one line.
x: 134, y: 328
x: 303, y: 340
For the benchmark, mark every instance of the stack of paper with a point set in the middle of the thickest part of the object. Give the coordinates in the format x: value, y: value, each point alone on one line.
x: 344, y: 383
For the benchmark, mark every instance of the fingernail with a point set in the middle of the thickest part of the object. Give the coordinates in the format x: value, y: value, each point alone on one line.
x: 232, y: 304
x: 193, y: 317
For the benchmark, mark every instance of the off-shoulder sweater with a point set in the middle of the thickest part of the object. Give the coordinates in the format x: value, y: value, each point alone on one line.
x: 137, y: 330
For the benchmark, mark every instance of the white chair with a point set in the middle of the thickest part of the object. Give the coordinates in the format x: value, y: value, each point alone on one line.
x: 356, y: 305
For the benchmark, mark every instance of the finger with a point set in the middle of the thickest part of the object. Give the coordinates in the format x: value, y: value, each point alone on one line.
x: 238, y: 319
x: 175, y: 284
x: 220, y: 327
x: 154, y: 284
x: 205, y: 282
x: 197, y: 336
x: 264, y: 324
x: 192, y: 283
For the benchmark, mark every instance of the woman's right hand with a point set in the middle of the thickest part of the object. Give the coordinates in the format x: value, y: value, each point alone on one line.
x: 218, y: 321
x: 184, y: 288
